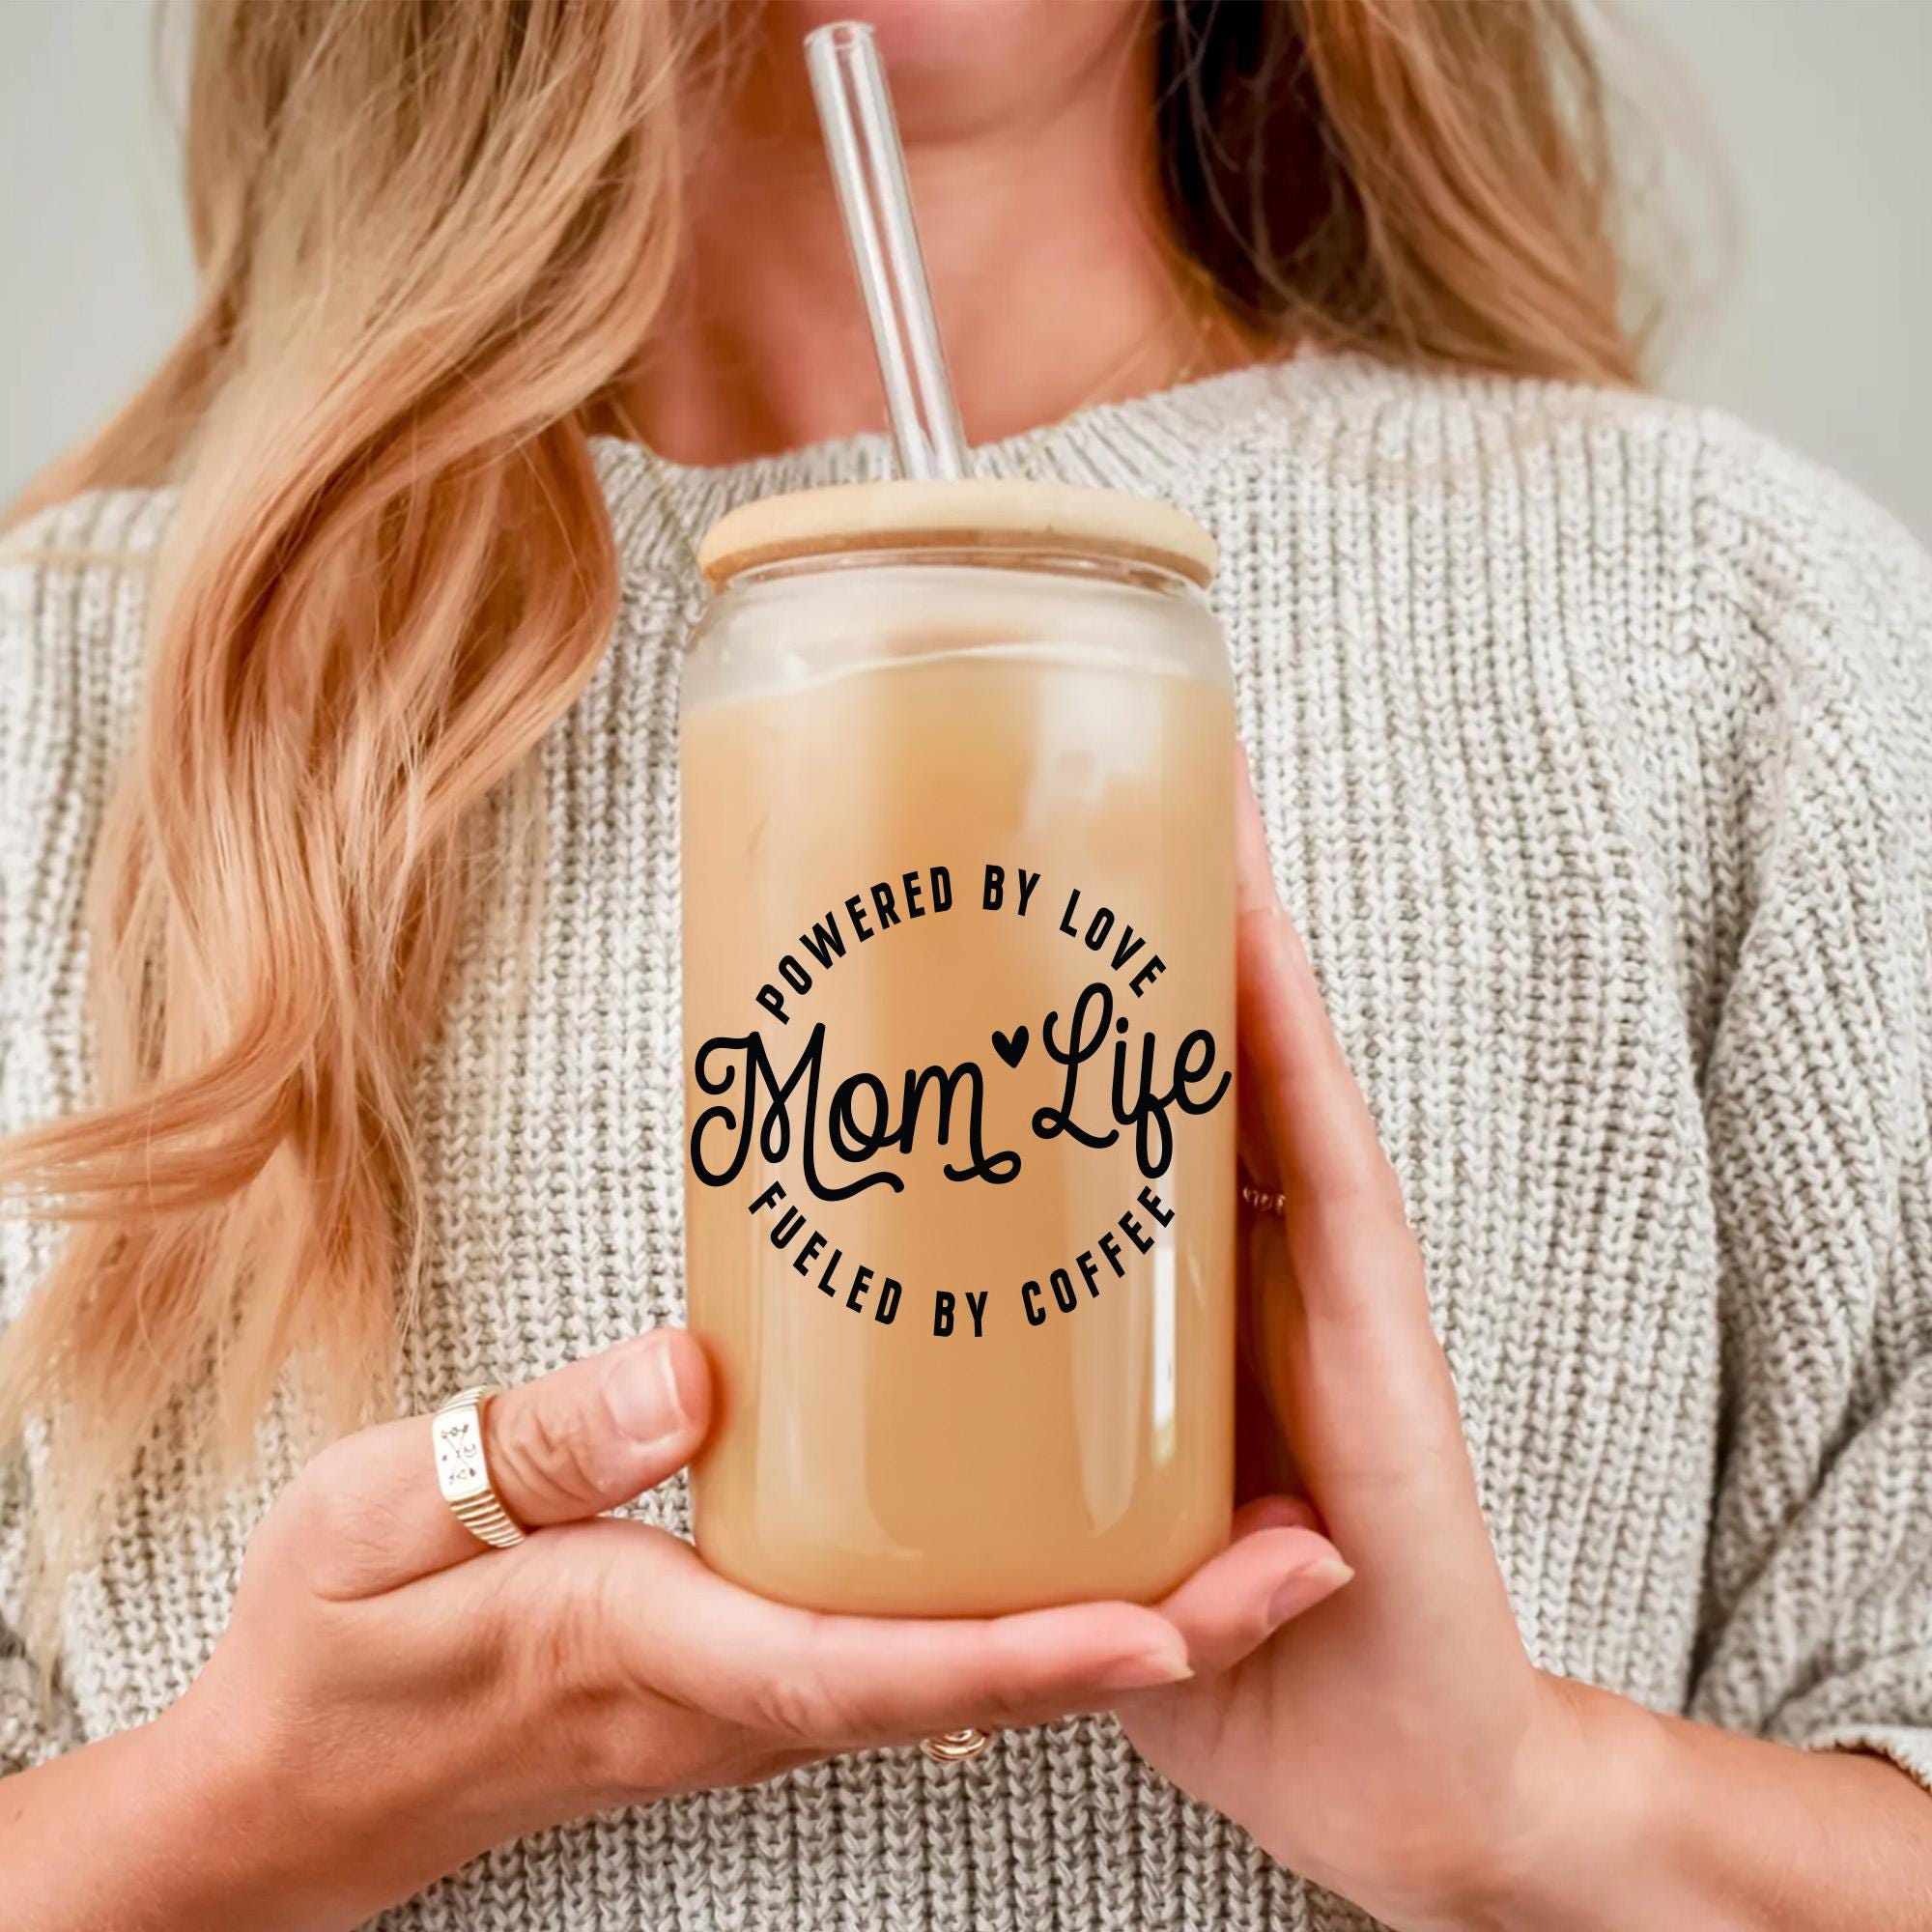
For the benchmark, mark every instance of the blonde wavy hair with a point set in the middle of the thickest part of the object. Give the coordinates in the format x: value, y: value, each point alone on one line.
x: 432, y: 236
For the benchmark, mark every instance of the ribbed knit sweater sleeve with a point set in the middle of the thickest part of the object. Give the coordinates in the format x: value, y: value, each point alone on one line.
x: 1817, y: 1623
x: 38, y: 1719
x: 72, y: 593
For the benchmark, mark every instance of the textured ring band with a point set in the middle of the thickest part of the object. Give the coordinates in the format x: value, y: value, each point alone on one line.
x: 462, y: 1468
x: 1263, y: 1204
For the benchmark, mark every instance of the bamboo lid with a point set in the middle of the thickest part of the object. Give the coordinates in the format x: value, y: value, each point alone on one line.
x: 998, y: 514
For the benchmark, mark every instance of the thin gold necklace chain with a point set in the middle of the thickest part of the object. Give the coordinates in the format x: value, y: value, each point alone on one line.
x: 661, y: 486
x: 1047, y: 438
x: 1199, y: 304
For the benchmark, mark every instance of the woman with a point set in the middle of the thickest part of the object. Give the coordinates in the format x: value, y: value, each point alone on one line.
x: 1590, y: 738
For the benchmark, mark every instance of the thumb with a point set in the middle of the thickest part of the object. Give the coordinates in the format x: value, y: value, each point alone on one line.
x: 600, y: 1432
x: 368, y: 1513
x: 1307, y: 1130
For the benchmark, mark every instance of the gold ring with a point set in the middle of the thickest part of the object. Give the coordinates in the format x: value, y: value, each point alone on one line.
x: 462, y: 1468
x: 955, y: 1747
x: 1263, y: 1204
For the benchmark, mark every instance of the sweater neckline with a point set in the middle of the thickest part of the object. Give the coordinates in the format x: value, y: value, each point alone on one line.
x: 1142, y: 442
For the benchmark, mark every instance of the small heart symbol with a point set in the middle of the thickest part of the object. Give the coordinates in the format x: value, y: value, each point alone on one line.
x: 1010, y: 1047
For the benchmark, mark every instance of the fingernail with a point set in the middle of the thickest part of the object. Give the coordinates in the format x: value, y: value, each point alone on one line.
x: 1166, y: 1664
x: 1302, y: 1589
x: 643, y: 1389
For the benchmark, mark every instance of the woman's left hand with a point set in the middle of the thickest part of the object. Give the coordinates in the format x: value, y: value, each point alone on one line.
x: 1395, y: 1744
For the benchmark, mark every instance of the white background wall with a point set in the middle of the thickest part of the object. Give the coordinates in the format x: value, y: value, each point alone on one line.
x: 1820, y: 112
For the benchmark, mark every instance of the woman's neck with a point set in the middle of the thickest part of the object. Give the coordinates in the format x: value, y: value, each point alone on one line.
x: 1044, y: 241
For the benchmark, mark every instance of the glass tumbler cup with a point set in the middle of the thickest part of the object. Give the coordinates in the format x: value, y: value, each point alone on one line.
x: 958, y: 1036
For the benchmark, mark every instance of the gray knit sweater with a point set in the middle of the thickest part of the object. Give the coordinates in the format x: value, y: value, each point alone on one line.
x: 1594, y: 737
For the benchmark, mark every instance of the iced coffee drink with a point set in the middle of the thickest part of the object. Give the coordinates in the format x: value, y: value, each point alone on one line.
x: 958, y: 1016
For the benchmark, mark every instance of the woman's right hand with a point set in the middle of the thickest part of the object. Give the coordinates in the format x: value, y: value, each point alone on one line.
x: 391, y: 1697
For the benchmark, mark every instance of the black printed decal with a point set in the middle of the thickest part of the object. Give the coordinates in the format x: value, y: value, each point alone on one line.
x: 776, y: 1091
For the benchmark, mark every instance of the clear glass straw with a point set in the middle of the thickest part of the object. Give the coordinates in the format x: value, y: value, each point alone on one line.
x: 862, y: 143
